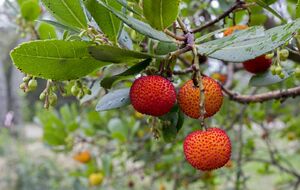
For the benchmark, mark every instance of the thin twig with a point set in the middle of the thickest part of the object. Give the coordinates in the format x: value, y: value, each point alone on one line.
x: 182, y: 26
x: 179, y: 38
x: 258, y: 98
x: 237, y: 5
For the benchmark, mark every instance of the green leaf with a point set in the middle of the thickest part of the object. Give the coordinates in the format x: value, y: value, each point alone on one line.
x: 267, y: 7
x: 298, y: 9
x: 180, y: 120
x: 258, y: 19
x: 125, y: 5
x: 115, y: 55
x: 164, y: 48
x: 171, y: 124
x: 46, y: 31
x: 249, y: 44
x: 138, y: 25
x: 108, y: 81
x: 206, y: 36
x: 108, y: 23
x: 55, y: 59
x: 160, y: 14
x: 267, y: 78
x: 60, y: 26
x: 30, y: 10
x: 114, y: 99
x: 169, y: 132
x: 69, y: 12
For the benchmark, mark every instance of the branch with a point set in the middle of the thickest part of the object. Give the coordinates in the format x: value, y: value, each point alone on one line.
x: 179, y: 38
x: 237, y: 5
x: 182, y: 25
x: 278, y: 94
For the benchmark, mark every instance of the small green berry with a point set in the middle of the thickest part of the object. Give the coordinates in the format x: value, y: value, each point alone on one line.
x: 297, y: 72
x: 282, y: 75
x: 75, y: 90
x: 32, y: 84
x: 80, y: 94
x: 26, y: 79
x: 273, y: 70
x: 283, y: 54
x: 43, y: 96
x: 52, y: 99
x: 23, y: 86
x: 278, y: 70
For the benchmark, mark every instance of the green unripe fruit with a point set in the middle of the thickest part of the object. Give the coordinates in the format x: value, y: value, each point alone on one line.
x: 80, y: 94
x: 43, y: 96
x: 278, y: 70
x: 32, y: 84
x: 26, y: 79
x: 273, y: 70
x: 297, y: 72
x: 75, y: 90
x: 52, y: 99
x: 283, y: 54
x: 282, y: 75
x: 23, y: 86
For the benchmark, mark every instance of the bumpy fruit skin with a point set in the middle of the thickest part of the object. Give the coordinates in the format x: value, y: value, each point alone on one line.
x: 152, y: 95
x: 258, y: 65
x: 83, y: 157
x: 95, y: 179
x: 232, y: 29
x: 189, y: 98
x: 207, y: 150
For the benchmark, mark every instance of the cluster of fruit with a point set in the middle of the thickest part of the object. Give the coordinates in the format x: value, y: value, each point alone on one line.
x: 204, y: 149
x: 154, y: 95
x: 28, y: 84
x: 84, y: 157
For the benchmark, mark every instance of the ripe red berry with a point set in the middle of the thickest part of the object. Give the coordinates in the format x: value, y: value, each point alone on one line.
x: 152, y: 95
x: 189, y: 98
x: 207, y: 150
x: 258, y: 65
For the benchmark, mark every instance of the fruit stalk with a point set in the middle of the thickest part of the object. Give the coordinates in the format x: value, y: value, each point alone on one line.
x: 198, y: 82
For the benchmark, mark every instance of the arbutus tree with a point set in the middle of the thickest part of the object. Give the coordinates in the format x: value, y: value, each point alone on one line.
x: 158, y: 56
